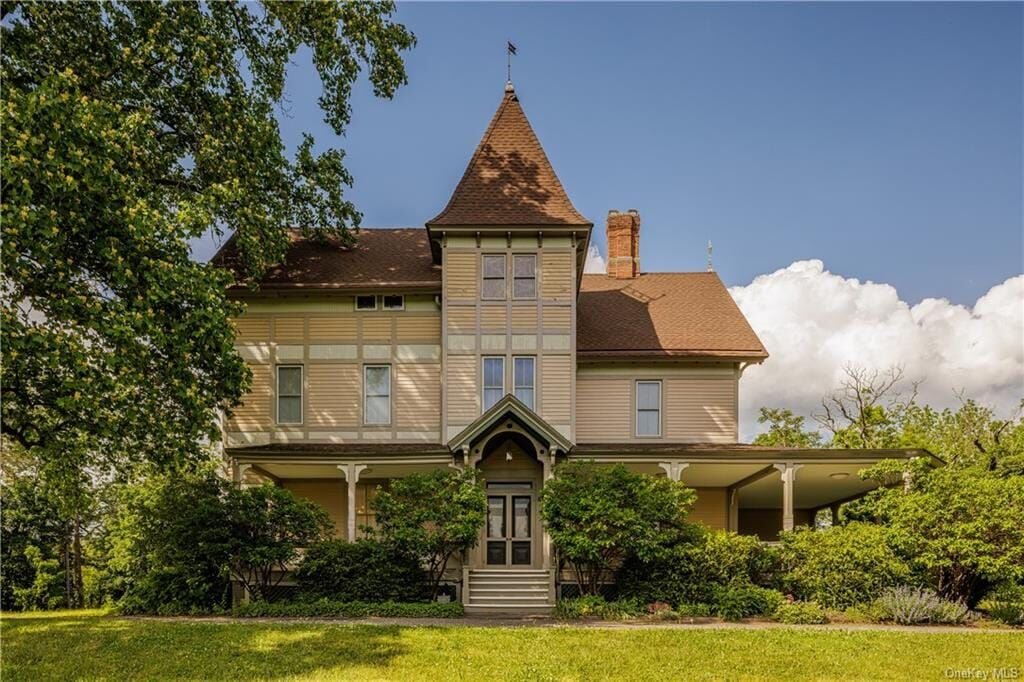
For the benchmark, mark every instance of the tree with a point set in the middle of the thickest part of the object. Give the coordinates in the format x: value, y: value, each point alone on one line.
x: 130, y: 129
x: 962, y: 528
x: 785, y: 429
x: 434, y: 516
x: 268, y: 527
x: 599, y: 515
x: 863, y: 411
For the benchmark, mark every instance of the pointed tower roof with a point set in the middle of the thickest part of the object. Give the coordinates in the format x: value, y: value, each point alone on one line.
x: 509, y: 180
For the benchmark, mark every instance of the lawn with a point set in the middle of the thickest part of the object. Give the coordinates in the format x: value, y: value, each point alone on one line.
x: 89, y: 645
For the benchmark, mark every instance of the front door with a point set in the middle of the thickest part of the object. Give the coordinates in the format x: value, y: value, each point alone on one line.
x: 510, y: 512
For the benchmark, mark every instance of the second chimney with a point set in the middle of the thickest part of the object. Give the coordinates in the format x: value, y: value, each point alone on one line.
x: 624, y: 244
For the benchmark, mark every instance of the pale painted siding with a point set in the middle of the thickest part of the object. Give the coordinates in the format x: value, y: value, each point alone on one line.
x: 557, y: 318
x: 603, y: 410
x: 493, y: 317
x: 255, y: 414
x: 556, y: 378
x: 342, y: 329
x: 419, y: 329
x: 335, y: 392
x: 248, y: 329
x: 700, y: 410
x: 417, y: 396
x: 460, y: 275
x: 289, y: 329
x: 463, y: 389
x: 524, y: 317
x: 558, y: 277
x: 699, y: 403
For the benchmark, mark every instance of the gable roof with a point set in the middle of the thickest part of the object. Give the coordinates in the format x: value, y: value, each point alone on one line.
x: 509, y: 407
x: 397, y: 258
x: 665, y: 314
x: 509, y: 180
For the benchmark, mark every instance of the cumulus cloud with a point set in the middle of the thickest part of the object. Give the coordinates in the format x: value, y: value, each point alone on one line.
x: 814, y: 323
x: 595, y: 262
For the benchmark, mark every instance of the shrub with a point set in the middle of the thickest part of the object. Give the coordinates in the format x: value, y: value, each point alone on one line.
x: 594, y: 606
x: 736, y: 601
x: 599, y: 515
x: 694, y: 610
x: 912, y: 606
x: 1006, y: 604
x: 434, y: 516
x: 689, y: 572
x: 355, y: 609
x: 801, y: 613
x: 46, y: 591
x: 841, y: 566
x: 366, y: 570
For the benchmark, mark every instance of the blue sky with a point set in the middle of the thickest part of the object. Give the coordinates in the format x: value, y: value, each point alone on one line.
x: 885, y: 140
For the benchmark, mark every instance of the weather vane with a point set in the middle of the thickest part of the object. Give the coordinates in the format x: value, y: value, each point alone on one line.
x: 710, y: 267
x: 510, y: 50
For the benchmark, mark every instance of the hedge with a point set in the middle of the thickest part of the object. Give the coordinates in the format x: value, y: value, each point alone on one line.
x: 352, y: 609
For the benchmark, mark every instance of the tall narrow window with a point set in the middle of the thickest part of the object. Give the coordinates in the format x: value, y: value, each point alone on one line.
x: 523, y: 380
x: 494, y: 381
x: 524, y: 276
x: 648, y: 408
x: 494, y: 277
x: 377, y: 394
x: 289, y: 394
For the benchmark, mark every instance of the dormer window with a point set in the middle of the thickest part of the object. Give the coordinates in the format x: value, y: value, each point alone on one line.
x: 366, y: 302
x: 494, y: 277
x: 524, y: 276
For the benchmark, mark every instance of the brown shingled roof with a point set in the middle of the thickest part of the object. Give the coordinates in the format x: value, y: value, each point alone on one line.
x: 509, y: 180
x: 662, y: 314
x: 380, y: 259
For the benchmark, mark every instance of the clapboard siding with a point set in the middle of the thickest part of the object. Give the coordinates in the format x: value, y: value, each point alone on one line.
x: 334, y: 395
x: 603, y: 410
x: 463, y: 389
x: 710, y: 508
x: 417, y: 396
x: 557, y: 276
x: 556, y: 389
x: 557, y: 318
x: 334, y: 328
x: 254, y: 414
x: 460, y: 275
x: 700, y: 410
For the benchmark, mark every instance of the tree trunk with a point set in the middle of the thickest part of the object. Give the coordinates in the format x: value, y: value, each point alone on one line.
x: 79, y: 596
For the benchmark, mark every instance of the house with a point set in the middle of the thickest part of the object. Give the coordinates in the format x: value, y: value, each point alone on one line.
x: 478, y: 341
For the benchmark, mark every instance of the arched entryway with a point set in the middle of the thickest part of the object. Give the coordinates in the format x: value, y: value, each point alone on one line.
x: 512, y: 476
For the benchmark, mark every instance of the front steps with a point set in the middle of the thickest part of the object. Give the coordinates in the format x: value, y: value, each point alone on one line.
x: 498, y: 591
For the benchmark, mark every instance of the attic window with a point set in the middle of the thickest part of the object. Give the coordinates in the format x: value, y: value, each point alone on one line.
x: 366, y: 302
x: 394, y: 302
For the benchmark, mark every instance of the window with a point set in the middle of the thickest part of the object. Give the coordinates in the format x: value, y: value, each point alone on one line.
x: 377, y: 394
x: 523, y: 380
x: 494, y: 381
x: 289, y: 394
x: 648, y: 408
x: 524, y: 276
x: 494, y: 277
x: 394, y: 303
x: 366, y: 302
x: 366, y: 491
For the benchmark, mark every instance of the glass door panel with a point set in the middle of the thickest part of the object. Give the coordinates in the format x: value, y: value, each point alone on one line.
x: 497, y: 550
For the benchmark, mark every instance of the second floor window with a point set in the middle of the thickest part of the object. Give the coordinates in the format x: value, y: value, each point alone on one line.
x: 377, y: 394
x: 289, y: 394
x: 494, y: 381
x: 524, y: 276
x: 494, y: 277
x: 523, y: 380
x: 648, y: 408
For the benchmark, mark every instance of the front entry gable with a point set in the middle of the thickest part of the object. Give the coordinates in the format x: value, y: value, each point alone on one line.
x: 509, y: 414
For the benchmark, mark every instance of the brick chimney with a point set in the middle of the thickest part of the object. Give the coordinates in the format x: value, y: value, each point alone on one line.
x: 624, y: 244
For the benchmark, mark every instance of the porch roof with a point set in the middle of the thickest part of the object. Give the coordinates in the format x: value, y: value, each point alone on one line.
x: 506, y: 408
x: 740, y: 452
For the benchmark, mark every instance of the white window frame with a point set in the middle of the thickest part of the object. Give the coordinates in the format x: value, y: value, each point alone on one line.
x: 366, y: 395
x: 636, y: 407
x: 483, y: 380
x: 401, y: 302
x: 533, y: 257
x: 355, y: 303
x: 533, y: 379
x: 504, y: 276
x: 301, y: 396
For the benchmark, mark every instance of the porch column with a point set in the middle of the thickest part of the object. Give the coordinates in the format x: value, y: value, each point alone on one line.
x: 239, y: 472
x: 788, y: 471
x: 674, y: 469
x: 548, y: 471
x: 733, y: 506
x: 351, y: 473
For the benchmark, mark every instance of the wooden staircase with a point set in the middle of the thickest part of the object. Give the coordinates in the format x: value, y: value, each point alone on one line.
x: 508, y: 592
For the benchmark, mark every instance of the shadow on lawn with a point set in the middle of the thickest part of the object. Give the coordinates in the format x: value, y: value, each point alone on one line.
x: 110, y: 647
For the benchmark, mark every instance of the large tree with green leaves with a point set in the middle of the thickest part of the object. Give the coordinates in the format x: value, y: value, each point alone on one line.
x: 129, y: 129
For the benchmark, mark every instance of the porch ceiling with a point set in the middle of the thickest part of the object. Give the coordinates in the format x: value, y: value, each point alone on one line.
x: 813, y: 487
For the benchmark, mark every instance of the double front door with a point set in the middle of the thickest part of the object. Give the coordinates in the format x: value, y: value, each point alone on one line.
x: 510, y: 524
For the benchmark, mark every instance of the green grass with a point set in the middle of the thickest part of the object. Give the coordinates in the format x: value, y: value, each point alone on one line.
x: 89, y: 645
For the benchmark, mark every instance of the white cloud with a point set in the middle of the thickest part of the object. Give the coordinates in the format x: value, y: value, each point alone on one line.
x: 595, y: 262
x: 814, y: 323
